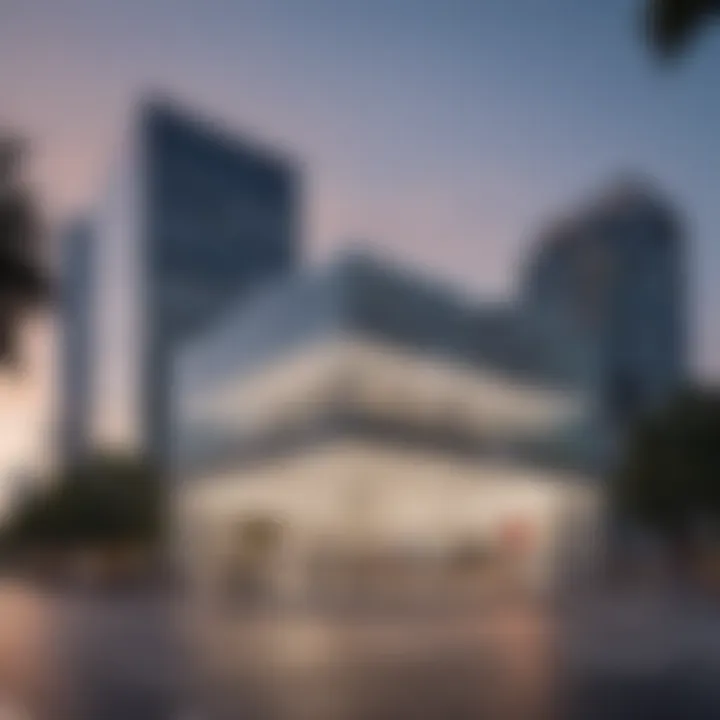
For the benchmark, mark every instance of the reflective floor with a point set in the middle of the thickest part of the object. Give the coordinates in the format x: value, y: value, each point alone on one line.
x: 635, y: 654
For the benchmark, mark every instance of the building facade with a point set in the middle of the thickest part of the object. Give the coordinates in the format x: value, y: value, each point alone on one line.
x: 362, y: 412
x: 615, y: 273
x: 194, y: 218
x: 75, y: 342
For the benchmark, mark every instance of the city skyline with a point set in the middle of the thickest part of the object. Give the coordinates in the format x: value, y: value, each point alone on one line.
x: 452, y: 142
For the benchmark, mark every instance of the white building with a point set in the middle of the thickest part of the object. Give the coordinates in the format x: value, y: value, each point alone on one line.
x: 365, y: 417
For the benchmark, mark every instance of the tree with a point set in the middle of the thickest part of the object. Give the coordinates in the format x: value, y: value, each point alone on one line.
x: 108, y: 499
x: 22, y: 280
x: 670, y: 479
x: 672, y: 24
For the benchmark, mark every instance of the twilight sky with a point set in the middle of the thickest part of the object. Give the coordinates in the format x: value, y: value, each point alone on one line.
x: 447, y: 131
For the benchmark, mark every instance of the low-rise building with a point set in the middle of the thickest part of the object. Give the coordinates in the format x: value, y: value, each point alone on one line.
x: 362, y: 415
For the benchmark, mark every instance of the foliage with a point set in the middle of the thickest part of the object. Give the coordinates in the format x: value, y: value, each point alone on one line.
x: 23, y: 281
x: 672, y: 24
x: 670, y: 478
x: 107, y: 499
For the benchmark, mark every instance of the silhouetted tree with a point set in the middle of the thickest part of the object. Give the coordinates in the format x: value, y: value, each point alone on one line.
x: 107, y: 499
x: 672, y: 24
x: 22, y: 279
x: 670, y: 480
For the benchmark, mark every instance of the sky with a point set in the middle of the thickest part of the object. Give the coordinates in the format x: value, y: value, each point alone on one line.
x: 447, y: 132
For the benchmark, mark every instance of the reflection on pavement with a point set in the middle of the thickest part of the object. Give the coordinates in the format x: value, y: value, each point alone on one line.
x: 140, y: 658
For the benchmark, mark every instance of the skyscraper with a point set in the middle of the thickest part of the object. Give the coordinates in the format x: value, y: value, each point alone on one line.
x: 194, y: 217
x: 75, y: 301
x: 615, y: 273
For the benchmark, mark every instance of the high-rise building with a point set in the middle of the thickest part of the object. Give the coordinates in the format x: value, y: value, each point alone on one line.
x: 615, y: 273
x: 194, y: 217
x: 75, y: 303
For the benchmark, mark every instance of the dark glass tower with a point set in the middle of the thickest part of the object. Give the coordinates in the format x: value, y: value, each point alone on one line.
x: 194, y: 218
x: 615, y: 273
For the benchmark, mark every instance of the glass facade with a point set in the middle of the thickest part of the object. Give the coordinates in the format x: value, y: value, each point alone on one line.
x: 194, y: 218
x: 373, y: 419
x: 75, y: 341
x: 615, y: 273
x: 365, y: 350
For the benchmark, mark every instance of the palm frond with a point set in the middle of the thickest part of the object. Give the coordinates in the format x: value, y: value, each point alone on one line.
x: 672, y: 24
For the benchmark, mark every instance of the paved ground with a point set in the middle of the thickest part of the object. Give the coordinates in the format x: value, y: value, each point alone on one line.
x: 632, y: 656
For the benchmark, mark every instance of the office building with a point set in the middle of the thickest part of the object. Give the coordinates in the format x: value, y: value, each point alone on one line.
x: 193, y: 219
x: 75, y: 342
x: 365, y: 412
x: 615, y: 272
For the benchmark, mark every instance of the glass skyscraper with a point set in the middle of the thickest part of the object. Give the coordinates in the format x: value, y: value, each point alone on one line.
x: 194, y: 217
x: 615, y: 273
x: 75, y: 344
